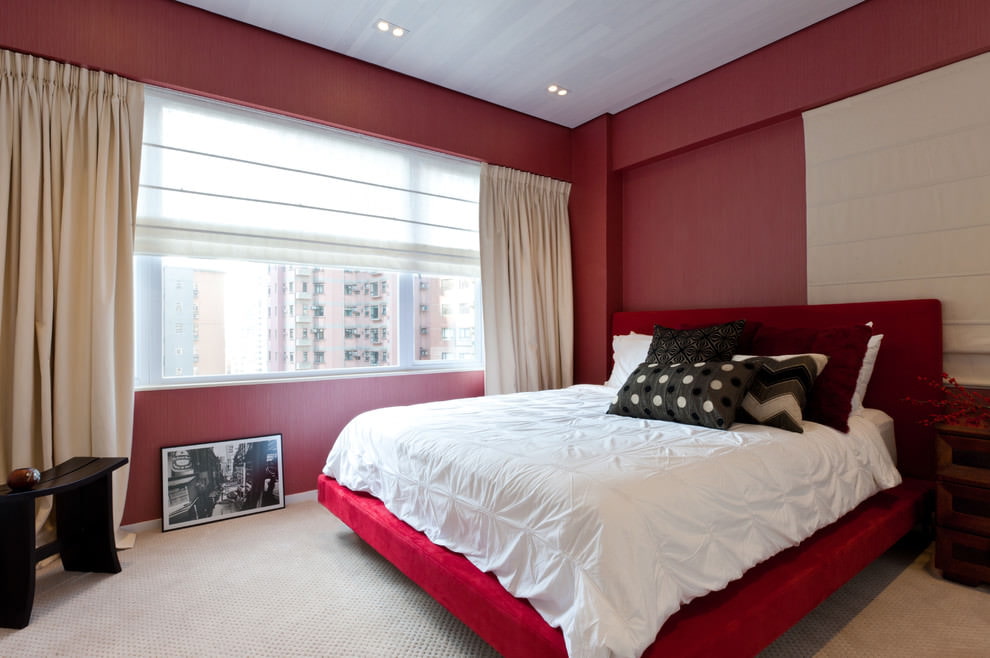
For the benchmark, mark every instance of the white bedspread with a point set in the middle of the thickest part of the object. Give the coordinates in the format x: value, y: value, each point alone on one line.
x: 606, y: 524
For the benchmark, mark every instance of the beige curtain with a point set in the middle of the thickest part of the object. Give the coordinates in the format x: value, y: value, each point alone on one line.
x: 526, y: 281
x: 70, y: 144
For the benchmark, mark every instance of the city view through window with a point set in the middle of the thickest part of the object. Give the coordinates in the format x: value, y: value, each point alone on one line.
x: 241, y: 318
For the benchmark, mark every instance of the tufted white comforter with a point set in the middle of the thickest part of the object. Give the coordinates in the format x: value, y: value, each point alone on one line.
x: 606, y: 524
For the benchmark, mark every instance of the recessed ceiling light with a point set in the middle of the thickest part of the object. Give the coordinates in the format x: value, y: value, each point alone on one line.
x: 385, y: 26
x: 557, y: 89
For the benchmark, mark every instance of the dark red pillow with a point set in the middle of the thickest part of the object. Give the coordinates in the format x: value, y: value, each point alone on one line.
x: 831, y: 398
x: 771, y: 341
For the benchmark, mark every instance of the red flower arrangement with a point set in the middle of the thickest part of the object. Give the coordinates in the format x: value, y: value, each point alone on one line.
x: 959, y: 406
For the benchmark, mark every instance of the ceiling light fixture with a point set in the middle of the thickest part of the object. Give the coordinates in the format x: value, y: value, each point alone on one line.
x: 385, y: 26
x: 557, y: 89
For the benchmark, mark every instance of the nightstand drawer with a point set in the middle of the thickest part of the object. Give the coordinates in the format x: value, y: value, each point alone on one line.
x: 963, y: 458
x: 963, y: 556
x: 962, y: 507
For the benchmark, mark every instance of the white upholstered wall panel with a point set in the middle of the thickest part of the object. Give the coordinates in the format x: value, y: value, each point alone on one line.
x: 898, y: 192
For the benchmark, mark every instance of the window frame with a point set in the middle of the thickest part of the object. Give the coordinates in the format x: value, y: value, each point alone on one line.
x: 149, y: 346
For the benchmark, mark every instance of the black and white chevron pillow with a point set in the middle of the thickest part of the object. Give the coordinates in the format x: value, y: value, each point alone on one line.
x: 779, y: 392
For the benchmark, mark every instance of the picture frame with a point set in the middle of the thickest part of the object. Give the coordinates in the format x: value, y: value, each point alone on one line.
x: 206, y: 482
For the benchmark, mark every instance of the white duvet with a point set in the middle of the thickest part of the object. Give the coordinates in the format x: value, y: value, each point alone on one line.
x: 607, y: 524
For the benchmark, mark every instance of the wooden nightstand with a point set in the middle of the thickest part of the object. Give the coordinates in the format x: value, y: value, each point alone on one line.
x: 962, y: 507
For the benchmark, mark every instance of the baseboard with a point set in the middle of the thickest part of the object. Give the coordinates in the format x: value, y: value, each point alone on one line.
x: 156, y: 524
x: 303, y: 497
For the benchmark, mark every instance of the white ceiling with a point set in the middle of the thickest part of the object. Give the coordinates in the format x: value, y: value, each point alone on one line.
x: 610, y: 54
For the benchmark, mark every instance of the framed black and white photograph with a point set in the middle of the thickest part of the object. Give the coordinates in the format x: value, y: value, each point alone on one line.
x: 207, y: 482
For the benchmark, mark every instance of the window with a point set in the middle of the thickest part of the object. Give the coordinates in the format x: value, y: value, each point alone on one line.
x: 375, y: 221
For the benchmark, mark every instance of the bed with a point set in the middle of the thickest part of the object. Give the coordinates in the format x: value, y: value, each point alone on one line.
x: 750, y: 611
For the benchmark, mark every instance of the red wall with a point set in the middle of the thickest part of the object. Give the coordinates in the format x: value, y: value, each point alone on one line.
x: 308, y: 414
x: 721, y: 225
x: 596, y: 244
x: 710, y: 170
x: 174, y: 45
x: 870, y: 45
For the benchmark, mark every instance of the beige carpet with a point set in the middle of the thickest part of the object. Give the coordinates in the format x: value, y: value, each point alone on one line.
x: 297, y: 582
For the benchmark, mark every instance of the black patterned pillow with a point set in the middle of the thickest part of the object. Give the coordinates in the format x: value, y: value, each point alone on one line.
x: 706, y: 393
x: 781, y: 389
x: 714, y: 343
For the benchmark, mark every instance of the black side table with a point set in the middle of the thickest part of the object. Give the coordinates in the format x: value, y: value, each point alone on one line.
x: 83, y: 494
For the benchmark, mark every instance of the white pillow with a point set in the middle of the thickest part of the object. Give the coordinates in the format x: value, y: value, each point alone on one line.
x: 866, y: 370
x: 627, y: 352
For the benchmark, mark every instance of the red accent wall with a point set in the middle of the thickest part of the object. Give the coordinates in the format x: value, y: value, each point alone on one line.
x: 712, y: 171
x: 308, y: 414
x: 717, y: 161
x: 173, y: 45
x: 596, y: 244
x: 721, y: 225
x: 869, y: 45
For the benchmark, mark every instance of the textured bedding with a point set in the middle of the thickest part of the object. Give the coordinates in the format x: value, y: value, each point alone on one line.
x: 607, y: 524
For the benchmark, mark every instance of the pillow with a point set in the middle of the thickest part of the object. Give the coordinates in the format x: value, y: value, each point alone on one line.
x: 781, y: 389
x: 707, y: 393
x: 845, y: 347
x: 745, y: 342
x: 866, y: 371
x: 627, y: 352
x: 713, y: 343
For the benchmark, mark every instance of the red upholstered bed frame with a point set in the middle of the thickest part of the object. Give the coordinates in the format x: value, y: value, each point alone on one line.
x: 751, y: 612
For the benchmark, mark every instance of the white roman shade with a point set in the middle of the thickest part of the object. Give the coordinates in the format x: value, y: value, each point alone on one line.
x: 223, y: 181
x: 898, y: 193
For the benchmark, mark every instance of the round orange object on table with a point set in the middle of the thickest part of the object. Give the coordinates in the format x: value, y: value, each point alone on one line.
x: 21, y: 479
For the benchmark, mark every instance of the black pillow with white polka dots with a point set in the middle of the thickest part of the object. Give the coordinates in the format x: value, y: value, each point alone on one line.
x: 707, y: 393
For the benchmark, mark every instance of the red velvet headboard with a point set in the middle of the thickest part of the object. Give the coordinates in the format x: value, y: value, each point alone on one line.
x: 912, y: 347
